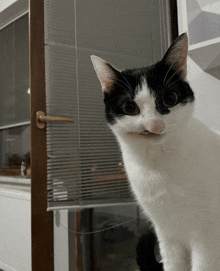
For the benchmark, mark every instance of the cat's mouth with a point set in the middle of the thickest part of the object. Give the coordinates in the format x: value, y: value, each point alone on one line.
x: 146, y: 134
x: 149, y: 134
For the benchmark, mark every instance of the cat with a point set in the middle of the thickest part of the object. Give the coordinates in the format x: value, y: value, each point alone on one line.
x: 172, y: 160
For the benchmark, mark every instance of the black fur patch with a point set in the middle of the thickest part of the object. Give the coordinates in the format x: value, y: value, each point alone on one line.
x: 161, y: 79
x: 146, y: 258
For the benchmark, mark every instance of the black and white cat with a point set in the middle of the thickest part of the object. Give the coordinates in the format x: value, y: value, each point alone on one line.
x: 172, y: 160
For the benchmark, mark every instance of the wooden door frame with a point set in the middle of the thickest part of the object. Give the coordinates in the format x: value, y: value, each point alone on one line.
x: 173, y: 19
x: 41, y: 219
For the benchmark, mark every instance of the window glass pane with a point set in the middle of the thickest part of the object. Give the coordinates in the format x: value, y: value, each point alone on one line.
x: 113, y: 246
x: 15, y: 99
x: 14, y: 73
x: 15, y: 151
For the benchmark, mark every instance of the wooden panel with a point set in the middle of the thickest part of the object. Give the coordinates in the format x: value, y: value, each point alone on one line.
x: 173, y: 18
x: 42, y: 221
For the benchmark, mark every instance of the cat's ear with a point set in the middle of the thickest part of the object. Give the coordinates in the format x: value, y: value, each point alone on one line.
x: 106, y: 73
x: 176, y: 55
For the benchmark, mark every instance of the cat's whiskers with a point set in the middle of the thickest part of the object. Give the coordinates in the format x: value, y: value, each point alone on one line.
x: 127, y: 82
x: 176, y: 72
x: 174, y: 82
x: 177, y: 57
x: 167, y: 86
x: 165, y: 77
x: 116, y: 79
x: 127, y: 85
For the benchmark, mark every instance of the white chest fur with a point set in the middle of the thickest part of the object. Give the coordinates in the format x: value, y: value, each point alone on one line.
x: 176, y: 179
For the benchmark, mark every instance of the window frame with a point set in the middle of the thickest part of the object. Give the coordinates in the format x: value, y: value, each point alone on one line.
x: 41, y: 220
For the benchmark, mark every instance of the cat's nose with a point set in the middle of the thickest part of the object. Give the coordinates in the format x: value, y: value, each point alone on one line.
x: 155, y: 126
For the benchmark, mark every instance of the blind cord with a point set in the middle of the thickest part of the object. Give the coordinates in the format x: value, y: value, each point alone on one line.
x: 93, y: 232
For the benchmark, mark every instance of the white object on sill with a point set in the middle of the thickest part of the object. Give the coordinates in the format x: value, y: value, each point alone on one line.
x: 23, y: 168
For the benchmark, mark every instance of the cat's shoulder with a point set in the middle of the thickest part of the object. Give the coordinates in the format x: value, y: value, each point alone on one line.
x: 203, y: 135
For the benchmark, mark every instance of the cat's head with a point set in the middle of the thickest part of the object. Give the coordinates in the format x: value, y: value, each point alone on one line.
x: 151, y: 102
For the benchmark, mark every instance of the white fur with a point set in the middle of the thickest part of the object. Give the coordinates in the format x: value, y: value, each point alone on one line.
x: 176, y: 180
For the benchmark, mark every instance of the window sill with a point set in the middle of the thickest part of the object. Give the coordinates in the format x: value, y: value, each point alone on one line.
x: 15, y: 183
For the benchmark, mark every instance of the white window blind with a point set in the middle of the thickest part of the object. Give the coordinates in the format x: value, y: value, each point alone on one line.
x: 84, y: 161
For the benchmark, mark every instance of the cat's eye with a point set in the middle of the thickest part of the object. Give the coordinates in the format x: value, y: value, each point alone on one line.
x: 130, y: 108
x: 170, y: 99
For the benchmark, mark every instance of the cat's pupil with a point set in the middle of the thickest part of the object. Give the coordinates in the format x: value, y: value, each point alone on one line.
x: 170, y: 99
x: 130, y: 108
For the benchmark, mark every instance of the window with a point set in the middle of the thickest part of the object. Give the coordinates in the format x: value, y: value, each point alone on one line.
x: 15, y: 99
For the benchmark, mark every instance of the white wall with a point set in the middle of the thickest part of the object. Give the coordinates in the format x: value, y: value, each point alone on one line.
x: 193, y: 10
x: 61, y: 240
x: 207, y: 92
x: 6, y: 3
x: 204, y: 3
x: 15, y: 230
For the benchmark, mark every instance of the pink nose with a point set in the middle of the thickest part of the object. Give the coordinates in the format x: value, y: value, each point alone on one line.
x: 156, y: 126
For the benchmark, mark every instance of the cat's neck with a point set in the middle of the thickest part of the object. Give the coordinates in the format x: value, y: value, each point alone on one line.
x: 174, y: 147
x: 143, y: 146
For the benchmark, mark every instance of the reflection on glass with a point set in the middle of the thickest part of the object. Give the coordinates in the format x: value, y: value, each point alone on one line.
x: 15, y: 99
x: 15, y: 151
x: 118, y: 230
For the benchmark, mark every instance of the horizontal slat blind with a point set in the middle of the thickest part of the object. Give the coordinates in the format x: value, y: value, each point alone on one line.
x: 14, y: 74
x: 84, y: 161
